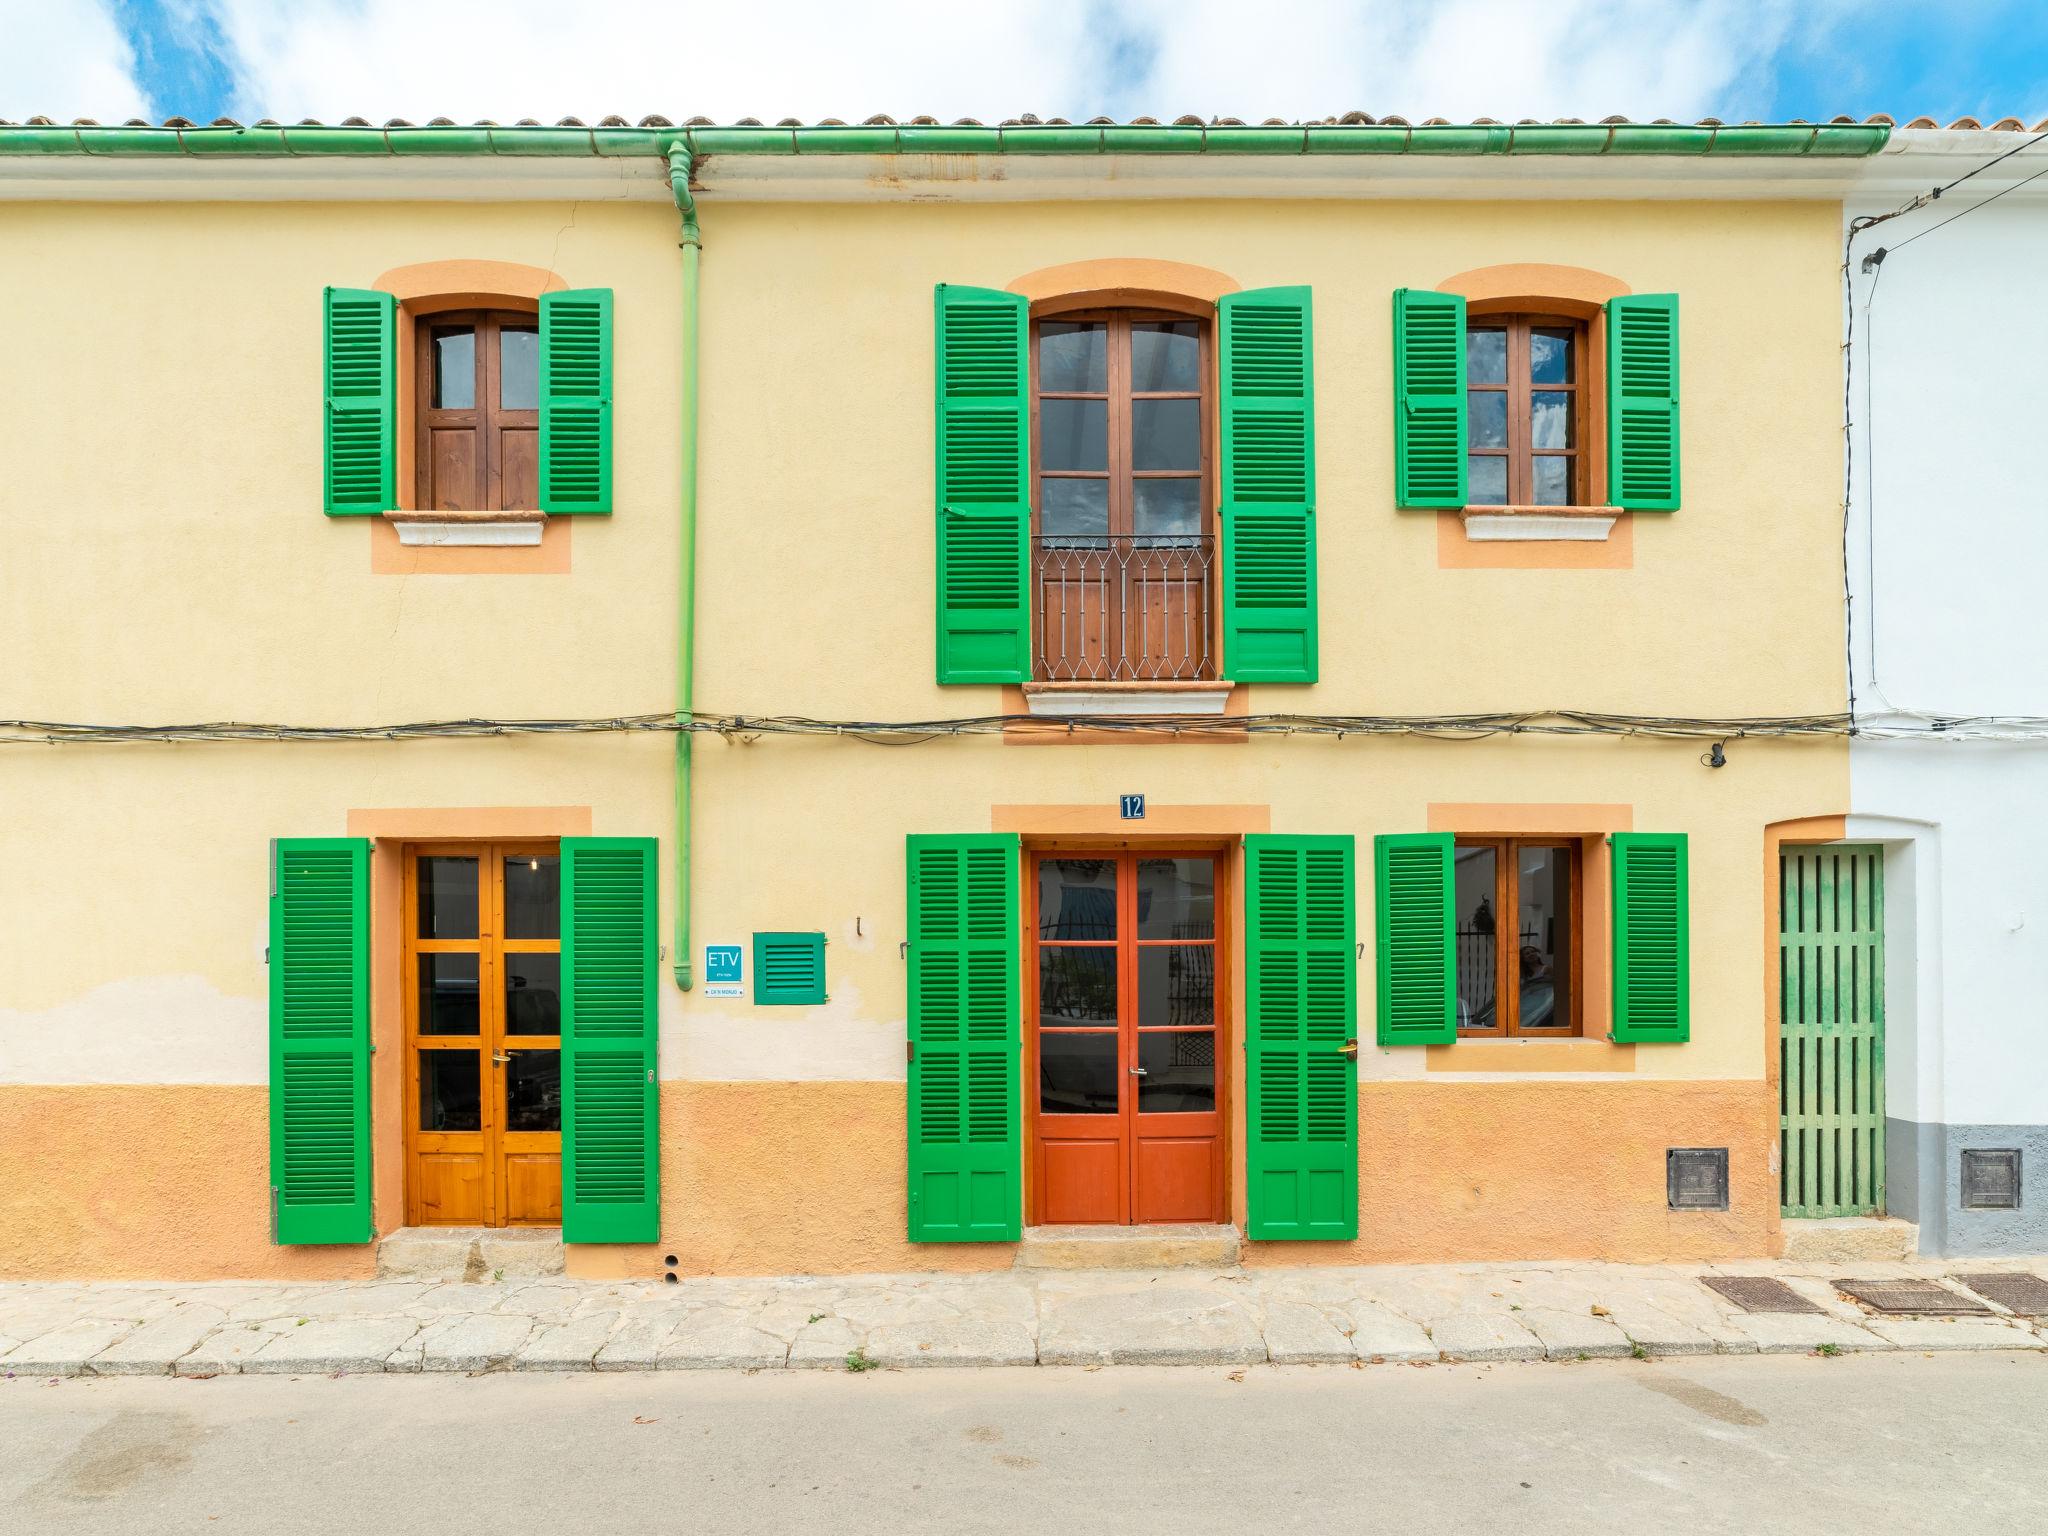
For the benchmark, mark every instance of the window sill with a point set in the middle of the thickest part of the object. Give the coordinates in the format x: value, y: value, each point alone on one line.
x: 468, y: 529
x: 1098, y: 699
x: 1533, y: 525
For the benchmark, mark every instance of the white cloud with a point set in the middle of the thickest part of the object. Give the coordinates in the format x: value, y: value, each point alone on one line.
x: 64, y: 61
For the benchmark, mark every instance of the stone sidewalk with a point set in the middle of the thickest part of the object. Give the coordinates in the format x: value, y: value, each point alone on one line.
x: 1369, y: 1316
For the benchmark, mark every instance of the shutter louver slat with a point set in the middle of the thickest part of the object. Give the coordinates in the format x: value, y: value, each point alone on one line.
x: 1430, y: 431
x: 359, y: 345
x: 576, y: 401
x: 1416, y: 940
x: 1642, y: 395
x: 1652, y: 962
x: 984, y: 500
x: 789, y: 969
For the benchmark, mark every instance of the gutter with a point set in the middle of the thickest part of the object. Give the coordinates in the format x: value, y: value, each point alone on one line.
x: 679, y: 167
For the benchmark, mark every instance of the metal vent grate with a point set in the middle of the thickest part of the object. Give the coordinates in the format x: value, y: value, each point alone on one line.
x: 1758, y: 1293
x: 2020, y: 1293
x: 1927, y: 1297
x: 1696, y: 1178
x: 1991, y: 1179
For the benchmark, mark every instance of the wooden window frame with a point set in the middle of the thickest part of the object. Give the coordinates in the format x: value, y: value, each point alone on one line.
x: 487, y: 419
x: 1507, y: 909
x: 1519, y: 452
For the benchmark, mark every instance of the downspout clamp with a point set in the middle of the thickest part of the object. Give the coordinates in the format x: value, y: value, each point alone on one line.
x: 686, y: 572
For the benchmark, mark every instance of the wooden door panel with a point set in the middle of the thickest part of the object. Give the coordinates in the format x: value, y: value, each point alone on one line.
x: 456, y: 476
x: 1177, y: 1178
x: 1081, y: 1181
x: 449, y: 1189
x: 533, y: 1189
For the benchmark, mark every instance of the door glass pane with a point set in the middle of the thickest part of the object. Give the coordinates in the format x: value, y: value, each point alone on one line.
x: 1073, y: 509
x: 533, y: 1091
x: 455, y: 370
x: 1176, y: 898
x: 533, y: 994
x: 1545, y: 942
x: 1073, y: 356
x: 533, y: 896
x: 1166, y: 434
x: 1077, y: 1073
x: 1166, y: 509
x: 1550, y: 419
x: 1166, y: 355
x: 1073, y: 434
x: 1486, y: 357
x: 1478, y: 945
x: 1077, y: 986
x: 1550, y: 484
x: 1077, y: 899
x: 1488, y: 410
x: 449, y: 994
x: 519, y: 369
x: 449, y: 1100
x: 447, y: 888
x: 1550, y: 357
x: 1488, y: 484
x: 1180, y: 1072
x: 1176, y: 984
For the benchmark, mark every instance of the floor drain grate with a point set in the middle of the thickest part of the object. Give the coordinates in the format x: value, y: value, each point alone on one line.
x: 2022, y: 1294
x: 1925, y: 1296
x: 1758, y: 1293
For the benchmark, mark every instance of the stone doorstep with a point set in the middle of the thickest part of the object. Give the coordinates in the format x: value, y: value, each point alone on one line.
x: 470, y: 1253
x: 1187, y: 1246
x: 1849, y: 1239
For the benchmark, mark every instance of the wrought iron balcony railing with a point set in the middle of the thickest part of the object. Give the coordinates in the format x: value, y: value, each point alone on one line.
x: 1124, y: 608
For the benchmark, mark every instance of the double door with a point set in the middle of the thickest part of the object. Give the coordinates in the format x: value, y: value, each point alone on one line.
x: 483, y: 1006
x: 1124, y: 1044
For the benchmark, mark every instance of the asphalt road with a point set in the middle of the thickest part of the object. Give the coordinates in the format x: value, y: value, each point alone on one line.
x: 1777, y: 1446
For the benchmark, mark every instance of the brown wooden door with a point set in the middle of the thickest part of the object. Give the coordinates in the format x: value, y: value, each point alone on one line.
x: 483, y: 1011
x: 1127, y: 1122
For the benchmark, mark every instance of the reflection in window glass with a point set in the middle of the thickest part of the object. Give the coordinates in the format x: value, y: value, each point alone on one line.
x: 1176, y: 985
x: 1488, y: 485
x: 1550, y: 481
x: 1176, y: 898
x: 1180, y: 1072
x: 455, y: 370
x: 1077, y: 986
x: 1077, y: 1073
x: 518, y: 369
x: 448, y: 994
x: 1073, y: 357
x: 1166, y: 509
x: 1550, y: 419
x: 1545, y: 941
x: 1077, y: 899
x: 1486, y: 357
x: 1074, y: 509
x: 447, y: 897
x: 1478, y: 944
x: 533, y: 896
x: 449, y: 1097
x: 533, y: 994
x: 1073, y: 434
x: 1550, y: 357
x: 533, y: 1091
x: 1166, y: 434
x: 1166, y: 356
x: 1488, y: 411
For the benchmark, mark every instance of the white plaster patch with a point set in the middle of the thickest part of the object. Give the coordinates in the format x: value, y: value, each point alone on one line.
x: 155, y: 1029
x: 735, y: 1043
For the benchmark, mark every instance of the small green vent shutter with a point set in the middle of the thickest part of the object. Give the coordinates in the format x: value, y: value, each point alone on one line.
x: 966, y: 1147
x: 576, y: 400
x: 611, y: 1156
x: 789, y: 969
x: 1652, y: 949
x: 1642, y: 402
x: 1429, y: 398
x: 984, y: 498
x: 320, y: 1040
x: 360, y: 350
x: 1301, y: 1037
x: 1269, y: 486
x: 1416, y: 969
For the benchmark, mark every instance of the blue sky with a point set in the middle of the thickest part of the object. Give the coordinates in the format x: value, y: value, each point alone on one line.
x: 1736, y: 59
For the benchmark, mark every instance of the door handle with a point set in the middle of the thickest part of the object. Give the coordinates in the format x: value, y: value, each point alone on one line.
x: 499, y: 1058
x: 1139, y: 1072
x: 1349, y: 1048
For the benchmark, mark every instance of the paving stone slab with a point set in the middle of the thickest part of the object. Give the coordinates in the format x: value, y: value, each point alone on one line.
x: 329, y: 1346
x: 222, y: 1352
x: 958, y: 1341
x: 635, y: 1343
x: 1298, y: 1333
x: 1783, y: 1333
x: 64, y: 1351
x: 1382, y: 1336
x: 1659, y: 1333
x: 824, y: 1345
x: 156, y: 1346
x: 479, y: 1342
x: 569, y: 1346
x: 1159, y: 1325
x: 1484, y: 1336
x: 1958, y: 1333
x: 1574, y: 1335
x: 721, y: 1346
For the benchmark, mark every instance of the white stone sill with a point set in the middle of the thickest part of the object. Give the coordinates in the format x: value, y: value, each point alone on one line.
x: 1536, y: 525
x: 1126, y: 698
x: 505, y: 530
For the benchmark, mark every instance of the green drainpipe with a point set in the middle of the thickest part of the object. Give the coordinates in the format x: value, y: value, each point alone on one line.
x: 686, y: 570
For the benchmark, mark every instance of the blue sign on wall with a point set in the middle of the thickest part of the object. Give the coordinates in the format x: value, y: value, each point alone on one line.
x: 722, y: 963
x: 1131, y: 807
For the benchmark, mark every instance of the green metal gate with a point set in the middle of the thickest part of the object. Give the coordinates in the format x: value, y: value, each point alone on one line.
x: 1831, y: 1047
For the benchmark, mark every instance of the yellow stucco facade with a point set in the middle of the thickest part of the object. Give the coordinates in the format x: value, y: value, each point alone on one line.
x: 167, y: 560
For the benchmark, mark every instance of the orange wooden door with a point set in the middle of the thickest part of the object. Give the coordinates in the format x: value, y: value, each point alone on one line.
x: 482, y: 990
x: 1127, y: 1123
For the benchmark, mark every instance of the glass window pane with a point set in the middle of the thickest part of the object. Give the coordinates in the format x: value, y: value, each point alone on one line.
x: 533, y: 1091
x: 1073, y: 434
x: 1073, y: 355
x: 455, y: 370
x: 1550, y: 419
x: 1487, y: 410
x: 1551, y: 484
x: 1166, y: 508
x: 1488, y: 481
x: 1166, y: 355
x: 1077, y: 899
x: 1077, y: 1073
x: 449, y: 1097
x: 1550, y: 357
x: 1077, y: 986
x: 1176, y: 898
x: 1176, y: 985
x: 533, y: 896
x: 447, y: 886
x: 1180, y: 1072
x: 1166, y: 434
x: 519, y: 368
x: 1545, y: 942
x: 449, y: 995
x: 1486, y: 357
x: 1478, y: 945
x: 533, y: 994
x: 1073, y: 509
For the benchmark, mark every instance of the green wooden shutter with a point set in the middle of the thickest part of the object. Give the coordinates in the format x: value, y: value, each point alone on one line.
x: 1301, y: 1037
x: 1415, y: 942
x: 966, y: 1143
x: 1652, y: 948
x: 1430, y: 432
x: 359, y: 348
x: 320, y: 1040
x: 1269, y: 486
x: 576, y: 400
x: 1642, y: 402
x: 611, y: 1152
x: 984, y: 497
